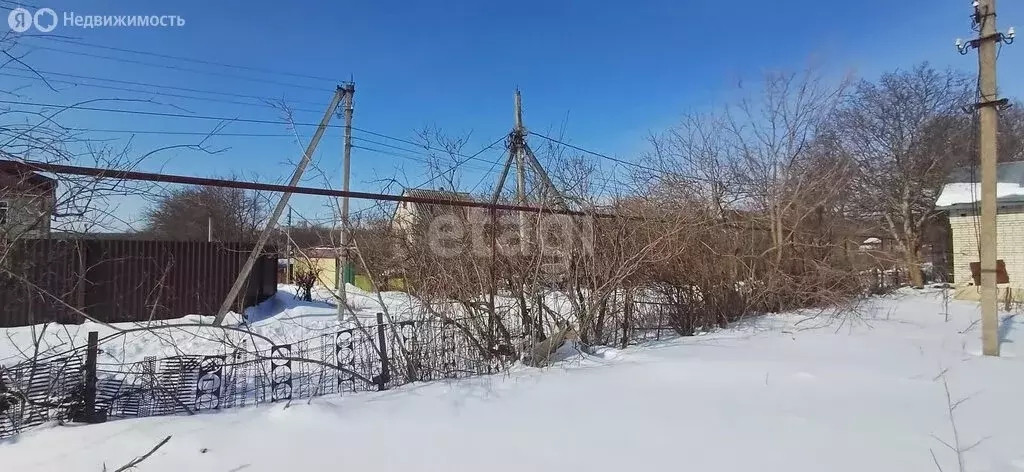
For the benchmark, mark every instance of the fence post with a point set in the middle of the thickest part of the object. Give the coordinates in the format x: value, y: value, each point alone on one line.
x: 661, y: 320
x: 385, y: 374
x: 90, y: 415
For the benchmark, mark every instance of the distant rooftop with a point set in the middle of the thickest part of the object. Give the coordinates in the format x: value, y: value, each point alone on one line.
x: 438, y: 194
x: 964, y: 187
x: 14, y: 173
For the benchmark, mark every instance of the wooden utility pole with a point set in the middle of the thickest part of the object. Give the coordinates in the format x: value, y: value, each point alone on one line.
x: 984, y: 20
x: 349, y: 91
x: 243, y: 274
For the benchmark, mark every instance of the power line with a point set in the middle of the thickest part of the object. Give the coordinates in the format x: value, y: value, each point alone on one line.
x: 150, y: 92
x: 415, y: 155
x: 403, y: 156
x: 182, y: 133
x: 79, y: 42
x: 178, y: 68
x: 594, y: 153
x: 615, y: 159
x: 117, y: 174
x: 392, y: 146
x: 159, y: 86
x: 457, y: 164
x: 474, y: 157
x: 163, y: 114
x: 14, y: 4
x: 223, y: 119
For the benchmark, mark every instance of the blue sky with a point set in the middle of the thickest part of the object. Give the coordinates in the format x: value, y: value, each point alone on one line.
x: 611, y: 72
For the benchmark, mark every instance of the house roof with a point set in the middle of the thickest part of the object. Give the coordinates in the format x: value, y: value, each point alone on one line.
x: 430, y: 210
x: 322, y: 252
x: 964, y: 189
x: 19, y: 174
x: 438, y: 194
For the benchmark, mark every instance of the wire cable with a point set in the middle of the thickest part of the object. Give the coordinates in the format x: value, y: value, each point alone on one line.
x: 162, y: 94
x: 159, y: 86
x: 224, y: 119
x: 403, y: 156
x: 457, y: 164
x: 177, y: 68
x: 615, y: 159
x: 79, y: 42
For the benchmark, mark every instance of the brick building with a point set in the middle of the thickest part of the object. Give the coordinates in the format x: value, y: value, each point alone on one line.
x: 961, y: 200
x: 26, y: 202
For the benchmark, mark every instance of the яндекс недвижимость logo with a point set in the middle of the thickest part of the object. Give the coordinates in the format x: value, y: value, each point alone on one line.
x: 21, y: 20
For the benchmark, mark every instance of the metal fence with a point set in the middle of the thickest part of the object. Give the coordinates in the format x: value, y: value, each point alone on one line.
x: 50, y: 280
x: 350, y: 360
x: 75, y: 387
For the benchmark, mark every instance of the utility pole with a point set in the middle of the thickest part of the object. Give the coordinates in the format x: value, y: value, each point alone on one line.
x: 209, y: 229
x: 519, y: 144
x: 341, y: 271
x: 984, y: 20
x: 243, y: 274
x: 288, y: 245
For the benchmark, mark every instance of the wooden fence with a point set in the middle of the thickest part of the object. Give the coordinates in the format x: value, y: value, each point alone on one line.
x: 49, y: 280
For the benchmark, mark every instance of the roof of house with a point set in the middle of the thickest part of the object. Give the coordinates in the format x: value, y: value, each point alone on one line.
x: 433, y: 209
x: 438, y: 194
x: 964, y: 188
x: 322, y: 252
x: 19, y: 174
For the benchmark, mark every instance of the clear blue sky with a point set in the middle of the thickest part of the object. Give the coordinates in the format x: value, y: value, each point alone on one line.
x: 610, y: 71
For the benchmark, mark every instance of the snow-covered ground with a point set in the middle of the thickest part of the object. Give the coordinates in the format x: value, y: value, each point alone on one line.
x: 283, y: 319
x: 770, y: 394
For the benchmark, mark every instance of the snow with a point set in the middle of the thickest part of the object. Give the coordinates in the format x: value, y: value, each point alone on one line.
x: 782, y: 392
x: 870, y: 244
x: 283, y: 318
x: 961, y: 193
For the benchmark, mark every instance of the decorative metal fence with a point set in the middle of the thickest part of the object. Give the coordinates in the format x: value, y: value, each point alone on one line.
x: 75, y: 387
x: 350, y: 360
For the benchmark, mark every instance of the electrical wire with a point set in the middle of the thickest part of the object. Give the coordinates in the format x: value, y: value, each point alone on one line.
x: 181, y: 133
x: 173, y: 115
x: 394, y: 154
x: 617, y: 160
x: 14, y: 4
x: 457, y: 164
x: 162, y: 94
x: 158, y: 86
x: 224, y: 119
x: 177, y: 68
x: 79, y: 42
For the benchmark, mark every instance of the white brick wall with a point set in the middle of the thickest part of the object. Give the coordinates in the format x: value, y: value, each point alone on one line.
x: 965, y: 228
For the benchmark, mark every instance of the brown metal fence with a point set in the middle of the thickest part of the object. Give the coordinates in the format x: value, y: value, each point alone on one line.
x: 118, y: 281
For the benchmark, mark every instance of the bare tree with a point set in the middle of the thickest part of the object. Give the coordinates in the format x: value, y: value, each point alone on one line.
x: 1011, y: 133
x: 189, y: 213
x: 904, y: 133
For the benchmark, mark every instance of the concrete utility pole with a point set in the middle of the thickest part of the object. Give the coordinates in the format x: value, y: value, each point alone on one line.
x: 984, y: 18
x: 209, y: 229
x: 519, y: 144
x: 349, y: 91
x: 989, y: 122
x: 288, y: 245
x: 243, y: 274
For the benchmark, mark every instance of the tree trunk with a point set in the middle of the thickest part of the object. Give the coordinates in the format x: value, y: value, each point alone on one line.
x: 914, y: 268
